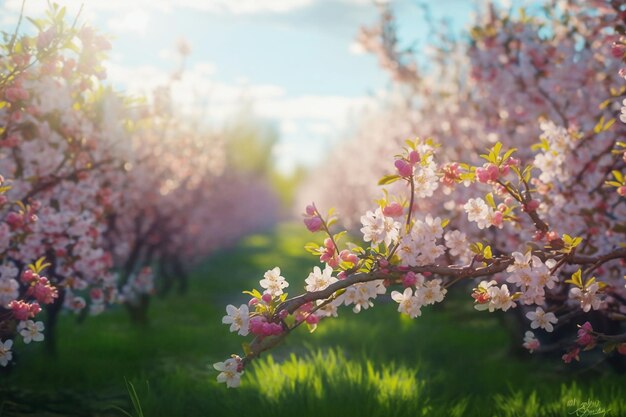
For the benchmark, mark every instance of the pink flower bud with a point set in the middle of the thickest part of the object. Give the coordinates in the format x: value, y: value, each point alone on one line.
x: 21, y: 310
x: 482, y: 175
x: 310, y: 210
x: 267, y: 329
x: 393, y: 210
x: 552, y: 235
x: 497, y: 219
x: 283, y: 314
x: 513, y: 162
x: 312, y: 319
x: 15, y: 220
x: 532, y: 205
x: 28, y: 276
x: 348, y: 256
x: 313, y: 224
x: 43, y: 291
x: 571, y: 355
x: 11, y: 94
x: 414, y: 157
x: 34, y: 309
x: 494, y: 172
x: 617, y: 50
x: 621, y: 348
x: 276, y: 329
x: 256, y: 325
x: 409, y: 279
x: 621, y: 190
x: 267, y: 298
x: 404, y: 168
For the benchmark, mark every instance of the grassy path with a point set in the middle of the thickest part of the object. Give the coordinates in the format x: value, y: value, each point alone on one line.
x: 451, y: 361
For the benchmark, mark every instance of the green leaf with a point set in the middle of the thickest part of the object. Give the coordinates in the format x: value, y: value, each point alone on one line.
x: 598, y: 126
x: 468, y: 176
x: 339, y: 235
x: 544, y: 145
x: 39, y: 23
x: 73, y: 47
x: 527, y: 172
x: 508, y: 154
x: 618, y: 176
x: 605, y: 103
x: 477, y: 248
x: 490, y: 200
x: 254, y: 293
x: 311, y: 327
x: 608, y: 125
x: 39, y: 265
x: 576, y: 279
x: 345, y: 265
x: 388, y: 179
x: 312, y: 248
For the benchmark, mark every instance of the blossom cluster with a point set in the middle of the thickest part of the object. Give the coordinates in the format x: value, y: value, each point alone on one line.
x: 112, y: 197
x: 559, y: 100
x: 399, y: 249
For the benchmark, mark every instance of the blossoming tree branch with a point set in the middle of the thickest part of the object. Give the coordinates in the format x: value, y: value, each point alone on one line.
x: 95, y: 187
x: 535, y: 228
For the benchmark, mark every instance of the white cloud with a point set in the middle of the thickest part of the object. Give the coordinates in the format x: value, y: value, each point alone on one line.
x: 244, y: 6
x: 308, y: 123
x: 135, y: 21
x: 121, y: 8
x: 312, y: 107
x: 289, y: 127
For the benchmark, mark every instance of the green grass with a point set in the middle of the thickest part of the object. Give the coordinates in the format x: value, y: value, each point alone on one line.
x: 452, y: 361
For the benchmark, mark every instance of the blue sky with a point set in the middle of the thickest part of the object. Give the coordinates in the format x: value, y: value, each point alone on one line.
x: 293, y: 60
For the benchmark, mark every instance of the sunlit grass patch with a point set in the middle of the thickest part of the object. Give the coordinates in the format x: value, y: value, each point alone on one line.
x: 329, y: 377
x: 452, y: 361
